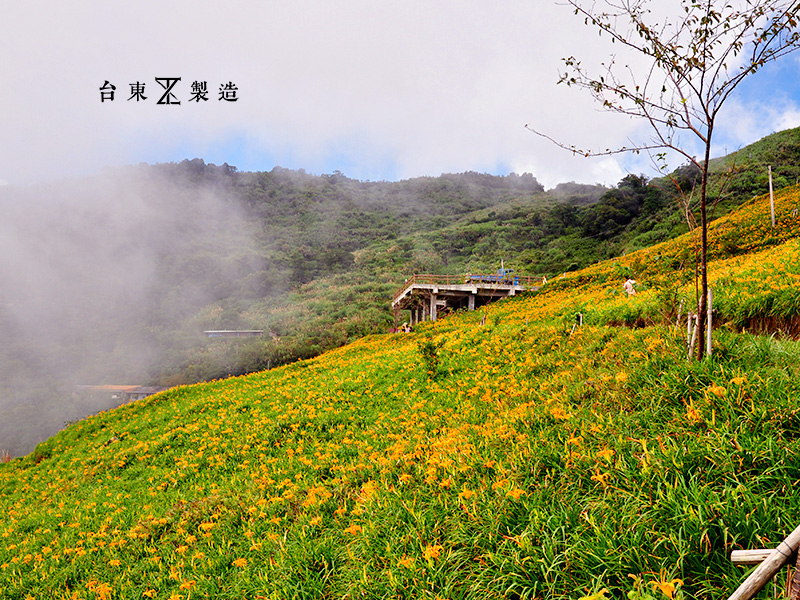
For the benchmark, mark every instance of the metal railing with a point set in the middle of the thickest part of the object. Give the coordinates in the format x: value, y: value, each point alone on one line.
x: 430, y: 279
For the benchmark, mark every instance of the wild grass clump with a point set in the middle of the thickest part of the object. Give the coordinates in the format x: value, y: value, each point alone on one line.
x: 428, y: 350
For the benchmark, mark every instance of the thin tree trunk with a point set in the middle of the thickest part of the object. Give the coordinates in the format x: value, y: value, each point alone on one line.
x: 701, y: 305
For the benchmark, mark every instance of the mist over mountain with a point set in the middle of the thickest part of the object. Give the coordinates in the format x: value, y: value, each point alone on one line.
x: 114, y: 278
x: 93, y: 273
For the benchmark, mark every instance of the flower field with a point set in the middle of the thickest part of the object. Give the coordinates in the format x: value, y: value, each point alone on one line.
x: 753, y: 272
x: 531, y: 459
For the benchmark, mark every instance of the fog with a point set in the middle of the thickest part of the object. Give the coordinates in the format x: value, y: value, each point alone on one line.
x: 98, y: 279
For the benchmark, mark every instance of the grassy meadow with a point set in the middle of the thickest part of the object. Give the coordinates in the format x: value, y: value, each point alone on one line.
x: 527, y: 457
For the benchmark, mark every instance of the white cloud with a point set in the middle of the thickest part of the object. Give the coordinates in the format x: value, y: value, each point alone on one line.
x: 378, y: 90
x: 749, y: 119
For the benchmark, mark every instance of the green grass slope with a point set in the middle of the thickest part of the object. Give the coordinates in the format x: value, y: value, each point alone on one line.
x: 525, y: 457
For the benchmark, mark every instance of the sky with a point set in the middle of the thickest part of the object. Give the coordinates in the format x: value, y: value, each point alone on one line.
x: 378, y: 89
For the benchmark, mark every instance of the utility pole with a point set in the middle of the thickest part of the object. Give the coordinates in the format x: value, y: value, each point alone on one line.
x: 771, y: 198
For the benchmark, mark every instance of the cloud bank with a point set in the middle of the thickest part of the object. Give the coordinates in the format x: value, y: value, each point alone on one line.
x: 383, y: 90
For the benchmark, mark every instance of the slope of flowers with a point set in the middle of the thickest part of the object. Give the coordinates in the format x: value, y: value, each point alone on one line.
x: 744, y: 230
x: 535, y: 458
x: 752, y: 271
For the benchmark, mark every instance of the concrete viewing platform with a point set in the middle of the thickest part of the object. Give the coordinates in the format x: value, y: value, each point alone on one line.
x: 425, y: 296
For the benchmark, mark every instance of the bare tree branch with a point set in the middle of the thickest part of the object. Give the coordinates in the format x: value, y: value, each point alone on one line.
x: 698, y: 58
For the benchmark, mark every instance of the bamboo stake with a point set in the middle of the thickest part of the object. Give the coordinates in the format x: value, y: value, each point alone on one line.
x: 764, y: 572
x: 749, y: 557
x: 695, y: 327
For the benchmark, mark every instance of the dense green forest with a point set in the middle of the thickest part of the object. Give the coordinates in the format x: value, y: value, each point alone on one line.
x: 114, y: 278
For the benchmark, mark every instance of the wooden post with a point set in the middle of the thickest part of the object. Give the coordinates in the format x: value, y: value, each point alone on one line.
x: 764, y: 572
x: 708, y: 323
x: 771, y: 198
x: 794, y: 586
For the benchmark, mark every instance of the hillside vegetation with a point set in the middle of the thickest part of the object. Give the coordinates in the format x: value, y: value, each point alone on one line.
x: 453, y: 224
x: 112, y: 279
x: 524, y: 458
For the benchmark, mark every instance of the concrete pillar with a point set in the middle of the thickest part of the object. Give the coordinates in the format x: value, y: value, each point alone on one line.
x: 471, y: 302
x: 433, y: 307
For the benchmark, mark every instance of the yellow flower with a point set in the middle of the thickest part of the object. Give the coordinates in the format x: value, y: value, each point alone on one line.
x: 316, y: 521
x: 114, y: 562
x: 353, y: 529
x: 240, y: 562
x: 432, y: 552
x: 103, y: 591
x: 692, y: 414
x: 466, y: 494
x: 406, y: 562
x: 605, y: 454
x: 559, y: 413
x: 717, y: 390
x: 499, y: 484
x: 187, y: 585
x: 667, y: 587
x: 515, y: 493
